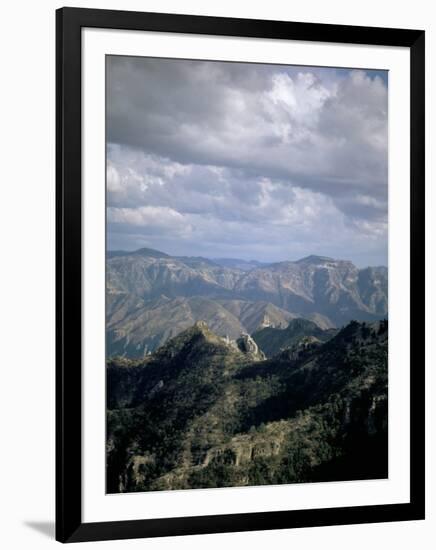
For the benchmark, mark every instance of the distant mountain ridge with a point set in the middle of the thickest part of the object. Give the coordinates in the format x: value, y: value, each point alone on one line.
x: 152, y: 296
x: 151, y: 252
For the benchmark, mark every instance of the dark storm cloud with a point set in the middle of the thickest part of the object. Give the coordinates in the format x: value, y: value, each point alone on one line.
x: 206, y: 150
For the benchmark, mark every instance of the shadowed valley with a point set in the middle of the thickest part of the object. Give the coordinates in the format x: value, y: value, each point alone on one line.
x: 206, y: 411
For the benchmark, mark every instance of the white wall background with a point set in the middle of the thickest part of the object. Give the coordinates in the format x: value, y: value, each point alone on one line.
x: 27, y: 323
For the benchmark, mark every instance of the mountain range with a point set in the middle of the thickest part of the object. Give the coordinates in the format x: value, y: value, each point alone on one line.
x: 152, y: 296
x: 207, y: 411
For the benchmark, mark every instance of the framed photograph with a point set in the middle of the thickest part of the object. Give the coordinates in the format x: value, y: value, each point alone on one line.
x: 240, y: 274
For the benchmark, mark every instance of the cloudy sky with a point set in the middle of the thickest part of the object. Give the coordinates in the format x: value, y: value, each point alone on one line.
x: 265, y: 162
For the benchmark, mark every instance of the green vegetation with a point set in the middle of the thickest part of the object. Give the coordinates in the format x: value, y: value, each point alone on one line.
x: 271, y: 340
x: 200, y: 412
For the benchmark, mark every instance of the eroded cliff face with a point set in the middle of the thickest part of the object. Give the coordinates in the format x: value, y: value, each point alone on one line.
x: 206, y: 414
x: 248, y: 346
x: 152, y: 297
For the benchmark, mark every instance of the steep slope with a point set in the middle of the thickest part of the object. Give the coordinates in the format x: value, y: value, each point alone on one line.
x: 202, y: 413
x: 135, y: 327
x: 321, y: 320
x: 334, y: 288
x: 152, y: 323
x: 254, y: 315
x: 149, y: 276
x: 318, y: 284
x: 272, y: 340
x: 326, y: 291
x: 154, y: 402
x: 373, y: 288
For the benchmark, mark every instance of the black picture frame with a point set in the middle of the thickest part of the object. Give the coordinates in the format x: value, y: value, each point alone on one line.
x: 69, y: 525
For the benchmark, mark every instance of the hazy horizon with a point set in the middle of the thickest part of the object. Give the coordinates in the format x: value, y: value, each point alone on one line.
x: 212, y: 258
x: 247, y: 161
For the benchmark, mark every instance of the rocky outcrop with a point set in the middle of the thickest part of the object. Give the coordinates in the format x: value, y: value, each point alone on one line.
x: 247, y: 345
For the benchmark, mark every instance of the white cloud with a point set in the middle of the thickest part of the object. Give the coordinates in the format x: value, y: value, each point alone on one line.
x: 238, y: 156
x: 113, y: 179
x: 297, y: 100
x: 149, y: 219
